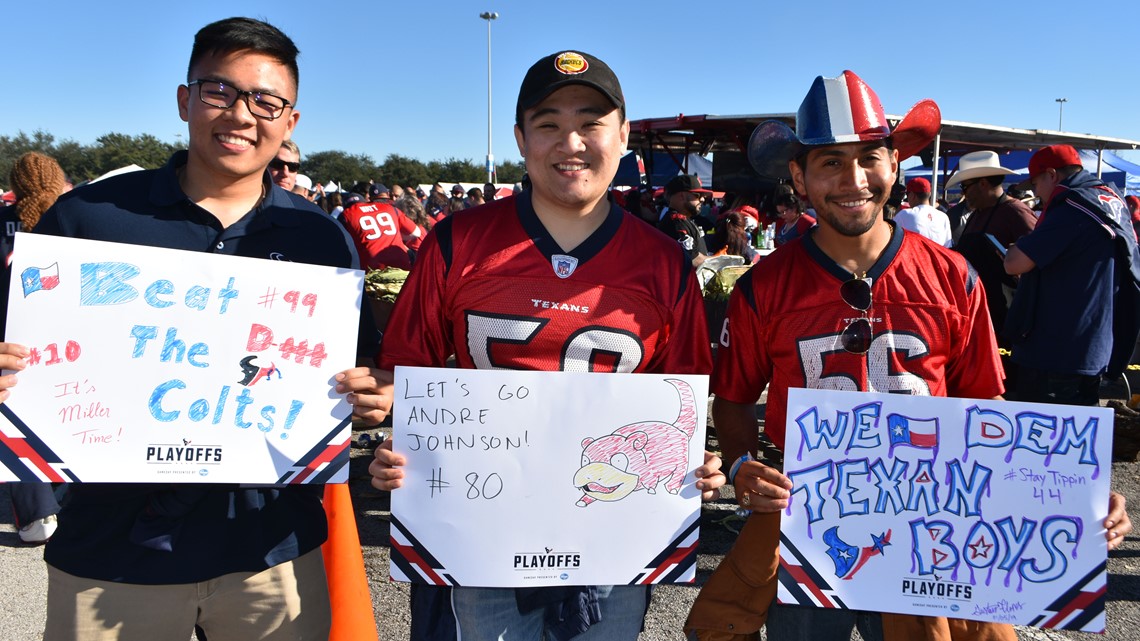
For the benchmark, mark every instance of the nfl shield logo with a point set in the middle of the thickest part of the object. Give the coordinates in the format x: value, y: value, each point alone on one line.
x: 563, y: 265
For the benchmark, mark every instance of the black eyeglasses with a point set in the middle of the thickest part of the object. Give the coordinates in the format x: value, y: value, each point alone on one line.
x: 280, y: 165
x: 856, y: 337
x: 262, y: 105
x: 966, y: 185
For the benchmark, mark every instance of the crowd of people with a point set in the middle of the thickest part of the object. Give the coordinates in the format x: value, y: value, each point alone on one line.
x: 147, y: 561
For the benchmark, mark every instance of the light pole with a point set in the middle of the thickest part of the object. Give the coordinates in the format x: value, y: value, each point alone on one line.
x: 1061, y: 111
x: 489, y: 16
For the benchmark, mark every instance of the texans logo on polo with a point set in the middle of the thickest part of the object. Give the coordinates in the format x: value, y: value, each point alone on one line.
x: 1116, y: 206
x: 571, y: 63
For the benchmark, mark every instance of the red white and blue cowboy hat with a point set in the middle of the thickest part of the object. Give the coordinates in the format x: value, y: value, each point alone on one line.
x: 835, y: 111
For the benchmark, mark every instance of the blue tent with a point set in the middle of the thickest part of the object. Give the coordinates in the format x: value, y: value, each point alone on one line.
x: 1115, y: 171
x: 664, y: 168
x: 1129, y: 184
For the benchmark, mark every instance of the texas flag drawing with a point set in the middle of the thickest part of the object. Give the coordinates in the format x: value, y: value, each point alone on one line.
x: 916, y: 432
x: 36, y: 278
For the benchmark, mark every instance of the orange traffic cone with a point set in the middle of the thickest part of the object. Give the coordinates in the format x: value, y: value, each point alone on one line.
x: 352, y: 618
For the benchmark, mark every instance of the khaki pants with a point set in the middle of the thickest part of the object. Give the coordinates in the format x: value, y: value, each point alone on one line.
x: 288, y: 601
x: 733, y: 604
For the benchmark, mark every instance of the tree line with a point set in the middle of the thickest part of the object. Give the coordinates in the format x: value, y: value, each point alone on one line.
x: 114, y: 150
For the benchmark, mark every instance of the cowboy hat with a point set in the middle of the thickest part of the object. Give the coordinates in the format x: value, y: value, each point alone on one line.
x: 836, y: 111
x: 978, y: 164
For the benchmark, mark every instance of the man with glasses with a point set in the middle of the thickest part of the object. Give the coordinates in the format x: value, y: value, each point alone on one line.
x: 147, y: 561
x: 996, y: 217
x: 855, y: 304
x: 285, y: 165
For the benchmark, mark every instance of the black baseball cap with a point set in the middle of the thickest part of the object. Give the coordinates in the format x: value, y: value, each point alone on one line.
x: 567, y: 68
x: 685, y: 183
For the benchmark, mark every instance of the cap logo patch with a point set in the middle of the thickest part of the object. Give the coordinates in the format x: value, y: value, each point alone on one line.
x: 571, y: 63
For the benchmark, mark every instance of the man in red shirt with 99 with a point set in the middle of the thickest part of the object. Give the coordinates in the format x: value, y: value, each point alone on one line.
x: 379, y: 231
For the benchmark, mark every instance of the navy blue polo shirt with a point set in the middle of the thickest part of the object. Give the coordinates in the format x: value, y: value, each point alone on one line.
x: 9, y: 225
x: 167, y: 533
x: 1072, y: 313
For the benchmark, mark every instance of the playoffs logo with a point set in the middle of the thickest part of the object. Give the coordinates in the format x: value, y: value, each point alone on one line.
x: 184, y: 453
x: 548, y: 559
x: 937, y: 588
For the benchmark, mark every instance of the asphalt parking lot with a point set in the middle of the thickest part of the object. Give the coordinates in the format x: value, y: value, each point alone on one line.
x: 24, y: 578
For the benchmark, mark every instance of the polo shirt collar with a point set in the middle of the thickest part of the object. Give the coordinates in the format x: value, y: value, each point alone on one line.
x: 275, y: 209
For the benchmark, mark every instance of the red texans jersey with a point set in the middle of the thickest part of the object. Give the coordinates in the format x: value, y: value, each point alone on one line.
x: 492, y: 287
x: 378, y: 230
x: 931, y: 334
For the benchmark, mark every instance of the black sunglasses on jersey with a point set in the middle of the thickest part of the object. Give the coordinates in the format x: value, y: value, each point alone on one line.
x: 856, y: 337
x: 279, y: 164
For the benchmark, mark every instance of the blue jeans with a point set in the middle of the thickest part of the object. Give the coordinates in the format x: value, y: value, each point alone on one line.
x: 804, y: 623
x: 492, y: 614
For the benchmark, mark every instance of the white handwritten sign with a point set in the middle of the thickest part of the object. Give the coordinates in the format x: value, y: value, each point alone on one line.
x: 546, y: 478
x: 156, y: 365
x: 969, y: 509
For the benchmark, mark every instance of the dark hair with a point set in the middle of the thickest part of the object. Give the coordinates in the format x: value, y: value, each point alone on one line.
x: 731, y: 228
x: 415, y: 211
x: 244, y: 34
x: 332, y: 201
x: 791, y: 201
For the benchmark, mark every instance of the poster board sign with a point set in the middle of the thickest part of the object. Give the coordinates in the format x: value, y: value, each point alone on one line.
x: 157, y: 365
x: 970, y: 509
x: 525, y: 479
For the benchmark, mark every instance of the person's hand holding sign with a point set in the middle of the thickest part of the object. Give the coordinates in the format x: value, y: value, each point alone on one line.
x: 13, y: 358
x: 761, y: 488
x: 709, y: 477
x: 387, y: 467
x: 1117, y: 524
x: 369, y: 391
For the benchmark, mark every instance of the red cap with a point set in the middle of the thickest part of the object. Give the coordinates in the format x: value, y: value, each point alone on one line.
x: 1134, y: 207
x: 1053, y: 157
x: 918, y: 185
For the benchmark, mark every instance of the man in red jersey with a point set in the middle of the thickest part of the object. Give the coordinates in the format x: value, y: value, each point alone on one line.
x: 380, y: 231
x: 555, y: 278
x: 856, y: 305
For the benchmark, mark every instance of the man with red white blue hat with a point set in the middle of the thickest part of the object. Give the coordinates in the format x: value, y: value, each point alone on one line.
x: 855, y: 304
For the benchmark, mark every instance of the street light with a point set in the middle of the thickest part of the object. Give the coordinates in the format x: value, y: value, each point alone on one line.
x: 1061, y: 111
x: 489, y: 16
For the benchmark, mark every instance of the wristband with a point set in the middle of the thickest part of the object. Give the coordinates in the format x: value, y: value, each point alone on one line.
x: 736, y: 466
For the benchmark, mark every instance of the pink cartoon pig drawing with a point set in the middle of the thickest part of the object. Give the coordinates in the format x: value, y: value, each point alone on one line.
x: 638, y: 456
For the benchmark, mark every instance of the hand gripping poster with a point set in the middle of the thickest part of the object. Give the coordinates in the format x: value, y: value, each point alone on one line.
x: 157, y: 365
x: 521, y: 479
x: 969, y: 509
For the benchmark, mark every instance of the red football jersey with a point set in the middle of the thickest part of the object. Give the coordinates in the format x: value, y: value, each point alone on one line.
x: 492, y: 287
x: 378, y: 230
x: 931, y: 331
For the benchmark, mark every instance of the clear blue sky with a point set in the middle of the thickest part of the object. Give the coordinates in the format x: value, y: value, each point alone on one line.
x: 381, y: 77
